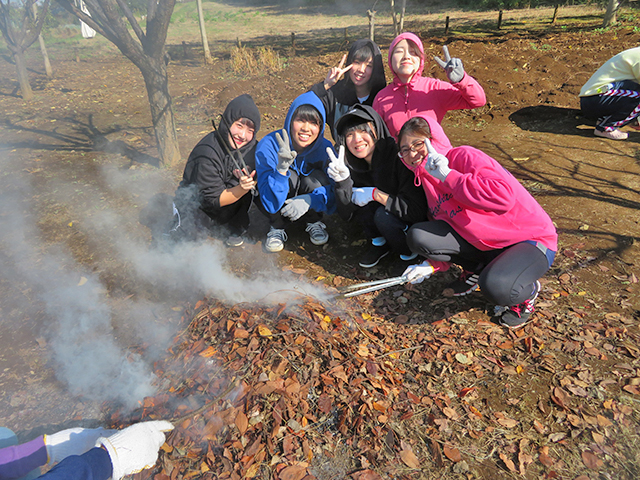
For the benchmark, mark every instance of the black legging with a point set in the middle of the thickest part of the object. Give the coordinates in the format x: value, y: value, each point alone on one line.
x: 507, y: 275
x: 615, y: 108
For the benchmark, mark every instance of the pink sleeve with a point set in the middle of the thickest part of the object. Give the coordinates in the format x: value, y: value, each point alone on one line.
x: 472, y: 93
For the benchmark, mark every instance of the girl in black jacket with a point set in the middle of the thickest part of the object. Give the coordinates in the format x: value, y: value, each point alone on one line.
x: 214, y: 191
x: 373, y: 186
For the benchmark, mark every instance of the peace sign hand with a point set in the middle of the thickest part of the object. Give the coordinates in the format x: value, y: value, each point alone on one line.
x: 336, y: 73
x: 337, y: 170
x: 437, y: 165
x: 452, y: 66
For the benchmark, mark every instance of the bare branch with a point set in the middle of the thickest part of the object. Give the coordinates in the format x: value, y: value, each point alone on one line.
x: 132, y: 20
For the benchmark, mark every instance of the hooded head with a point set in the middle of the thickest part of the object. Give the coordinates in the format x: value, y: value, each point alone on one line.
x: 344, y: 90
x: 415, y: 40
x: 310, y: 105
x: 242, y: 107
x: 362, y: 118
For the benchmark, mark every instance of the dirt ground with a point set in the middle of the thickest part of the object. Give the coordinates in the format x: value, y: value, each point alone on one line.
x: 83, y: 149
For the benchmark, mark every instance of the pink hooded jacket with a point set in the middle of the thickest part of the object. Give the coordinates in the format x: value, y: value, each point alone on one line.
x: 426, y: 97
x: 485, y: 203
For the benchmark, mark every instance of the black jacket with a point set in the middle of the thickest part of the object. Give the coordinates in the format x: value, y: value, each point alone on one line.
x: 342, y: 96
x: 386, y: 172
x: 209, y: 169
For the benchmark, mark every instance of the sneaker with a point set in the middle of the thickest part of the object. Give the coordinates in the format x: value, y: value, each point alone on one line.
x: 614, y: 134
x: 234, y: 240
x: 467, y: 283
x: 517, y: 316
x: 408, y: 258
x: 317, y: 233
x: 374, y: 255
x: 275, y: 240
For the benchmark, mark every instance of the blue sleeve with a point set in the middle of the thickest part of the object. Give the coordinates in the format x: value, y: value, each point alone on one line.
x: 93, y: 465
x: 272, y: 185
x: 323, y: 199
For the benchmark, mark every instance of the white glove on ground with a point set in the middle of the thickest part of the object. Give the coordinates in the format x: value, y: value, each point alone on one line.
x: 337, y: 170
x: 136, y: 447
x: 73, y: 441
x: 296, y: 207
x: 437, y: 165
x: 419, y: 272
x: 362, y: 195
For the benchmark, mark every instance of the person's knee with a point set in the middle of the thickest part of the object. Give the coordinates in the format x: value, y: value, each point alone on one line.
x: 496, y: 287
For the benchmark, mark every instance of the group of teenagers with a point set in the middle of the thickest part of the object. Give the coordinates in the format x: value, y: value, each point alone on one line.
x: 392, y: 170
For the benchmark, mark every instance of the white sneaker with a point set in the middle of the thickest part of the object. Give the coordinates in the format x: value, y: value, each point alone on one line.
x: 317, y: 233
x: 275, y: 240
x: 614, y: 134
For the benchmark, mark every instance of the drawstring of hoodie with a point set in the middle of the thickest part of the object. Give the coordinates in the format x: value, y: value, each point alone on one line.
x: 417, y: 181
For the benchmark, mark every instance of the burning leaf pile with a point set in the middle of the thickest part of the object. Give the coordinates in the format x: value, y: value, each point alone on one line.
x: 299, y: 391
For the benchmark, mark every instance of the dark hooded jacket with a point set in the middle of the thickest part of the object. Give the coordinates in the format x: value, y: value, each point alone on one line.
x: 342, y: 96
x: 386, y: 172
x: 272, y: 185
x: 209, y: 169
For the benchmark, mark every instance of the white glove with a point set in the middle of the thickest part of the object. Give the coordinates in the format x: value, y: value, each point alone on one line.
x: 296, y: 207
x: 437, y: 165
x: 337, y: 170
x: 362, y: 195
x: 452, y: 66
x: 136, y: 447
x: 73, y: 441
x: 419, y: 272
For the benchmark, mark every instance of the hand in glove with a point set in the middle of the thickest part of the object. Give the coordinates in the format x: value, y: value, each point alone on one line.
x: 296, y: 207
x: 362, y: 195
x: 286, y: 156
x: 452, y: 66
x: 337, y: 170
x: 419, y: 272
x: 73, y: 441
x: 136, y: 447
x: 437, y: 165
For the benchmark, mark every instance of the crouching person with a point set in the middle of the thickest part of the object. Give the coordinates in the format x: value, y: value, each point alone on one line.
x: 373, y: 187
x: 482, y: 219
x: 291, y: 166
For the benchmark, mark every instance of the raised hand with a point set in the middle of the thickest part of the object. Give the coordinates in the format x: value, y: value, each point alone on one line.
x: 337, y: 170
x: 247, y: 181
x: 336, y: 73
x: 452, y: 66
x: 437, y: 165
x: 286, y: 156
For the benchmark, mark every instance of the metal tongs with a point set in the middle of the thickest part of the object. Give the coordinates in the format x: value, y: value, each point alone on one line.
x: 367, y: 287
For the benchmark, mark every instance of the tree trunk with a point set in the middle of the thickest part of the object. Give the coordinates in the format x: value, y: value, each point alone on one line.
x: 43, y: 48
x: 203, y: 34
x: 156, y: 81
x: 394, y: 18
x: 610, y: 14
x: 23, y: 75
x: 404, y: 8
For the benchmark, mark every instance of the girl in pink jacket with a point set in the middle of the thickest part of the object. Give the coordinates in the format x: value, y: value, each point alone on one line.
x: 411, y: 94
x: 482, y: 219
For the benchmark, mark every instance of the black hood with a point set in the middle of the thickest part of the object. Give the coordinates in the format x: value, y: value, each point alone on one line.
x: 240, y: 107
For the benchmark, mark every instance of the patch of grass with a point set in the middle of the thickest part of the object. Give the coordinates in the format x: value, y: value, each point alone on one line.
x: 253, y: 61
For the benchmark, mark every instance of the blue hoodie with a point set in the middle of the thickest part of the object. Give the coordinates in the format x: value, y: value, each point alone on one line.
x: 272, y: 185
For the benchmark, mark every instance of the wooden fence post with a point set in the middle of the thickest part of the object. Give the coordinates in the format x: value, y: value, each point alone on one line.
x: 293, y: 44
x: 446, y: 25
x: 499, y: 19
x: 555, y: 14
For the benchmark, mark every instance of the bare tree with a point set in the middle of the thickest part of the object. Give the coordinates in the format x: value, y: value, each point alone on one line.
x: 115, y: 20
x: 20, y: 29
x: 612, y: 10
x: 203, y: 34
x: 398, y: 23
x: 43, y: 48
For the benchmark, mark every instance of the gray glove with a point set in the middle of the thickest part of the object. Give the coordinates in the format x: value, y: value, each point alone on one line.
x: 285, y: 155
x: 437, y: 165
x: 337, y: 170
x: 452, y: 66
x: 296, y: 207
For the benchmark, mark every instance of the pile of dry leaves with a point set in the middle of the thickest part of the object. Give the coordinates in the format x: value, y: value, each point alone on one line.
x: 306, y: 390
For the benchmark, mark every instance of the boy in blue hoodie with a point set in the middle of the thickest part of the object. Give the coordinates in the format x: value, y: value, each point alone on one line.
x: 291, y: 166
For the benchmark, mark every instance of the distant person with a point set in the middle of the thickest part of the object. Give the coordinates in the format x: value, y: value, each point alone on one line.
x: 612, y: 95
x: 480, y: 218
x: 411, y: 94
x: 357, y: 83
x: 292, y: 173
x: 215, y: 194
x: 126, y: 452
x: 373, y: 187
x: 17, y: 461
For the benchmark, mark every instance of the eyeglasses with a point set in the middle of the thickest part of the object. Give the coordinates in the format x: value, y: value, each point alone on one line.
x: 414, y: 147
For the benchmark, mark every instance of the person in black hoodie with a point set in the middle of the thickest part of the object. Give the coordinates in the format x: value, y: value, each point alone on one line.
x: 362, y: 79
x: 214, y: 192
x: 372, y: 185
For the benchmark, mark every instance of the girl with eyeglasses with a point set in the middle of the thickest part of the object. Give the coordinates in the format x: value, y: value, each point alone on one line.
x: 480, y: 218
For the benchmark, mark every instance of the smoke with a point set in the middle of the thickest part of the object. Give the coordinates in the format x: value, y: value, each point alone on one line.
x: 98, y: 312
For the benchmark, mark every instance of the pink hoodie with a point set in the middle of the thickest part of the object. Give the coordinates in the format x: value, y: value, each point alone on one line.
x: 484, y: 203
x: 426, y: 97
